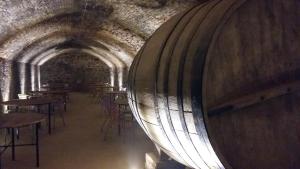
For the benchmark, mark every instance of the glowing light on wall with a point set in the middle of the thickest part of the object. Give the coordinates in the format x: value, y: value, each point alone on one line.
x: 120, y: 80
x: 39, y: 77
x: 22, y: 68
x: 6, y: 83
x: 112, y: 78
x: 33, y: 77
x: 6, y: 92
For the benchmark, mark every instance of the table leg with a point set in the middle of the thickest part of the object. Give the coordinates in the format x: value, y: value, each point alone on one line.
x: 65, y: 103
x: 37, y: 149
x: 110, y: 104
x: 49, y: 118
x: 13, y: 144
x: 0, y: 161
x: 119, y: 120
x: 18, y: 133
x: 38, y: 108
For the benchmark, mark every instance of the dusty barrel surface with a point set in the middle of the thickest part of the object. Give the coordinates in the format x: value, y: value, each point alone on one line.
x: 218, y: 85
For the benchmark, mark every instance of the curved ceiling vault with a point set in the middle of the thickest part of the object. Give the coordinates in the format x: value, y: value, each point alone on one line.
x: 35, y: 31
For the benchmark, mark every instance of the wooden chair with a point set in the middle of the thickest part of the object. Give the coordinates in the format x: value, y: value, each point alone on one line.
x: 110, y: 115
x: 126, y: 118
x: 58, y: 109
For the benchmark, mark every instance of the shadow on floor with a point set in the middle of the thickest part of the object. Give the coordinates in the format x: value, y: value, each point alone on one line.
x: 80, y: 144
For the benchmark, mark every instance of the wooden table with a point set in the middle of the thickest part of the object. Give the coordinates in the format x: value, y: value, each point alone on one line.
x: 34, y: 102
x: 63, y: 93
x: 121, y: 103
x: 117, y: 92
x: 13, y: 121
x: 104, y: 89
x: 114, y: 93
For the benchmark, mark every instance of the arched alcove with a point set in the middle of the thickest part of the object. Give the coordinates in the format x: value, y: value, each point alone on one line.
x: 77, y: 70
x: 37, y: 36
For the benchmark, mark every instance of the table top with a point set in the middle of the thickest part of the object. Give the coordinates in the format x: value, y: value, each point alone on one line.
x: 103, y: 86
x: 14, y: 120
x: 121, y: 101
x: 116, y: 92
x: 28, y: 102
x: 51, y: 92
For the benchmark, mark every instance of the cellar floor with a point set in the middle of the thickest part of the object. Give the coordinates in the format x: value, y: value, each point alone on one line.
x: 80, y: 145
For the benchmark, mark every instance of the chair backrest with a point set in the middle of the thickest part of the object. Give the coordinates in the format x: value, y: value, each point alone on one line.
x: 23, y: 96
x: 105, y: 101
x: 108, y: 106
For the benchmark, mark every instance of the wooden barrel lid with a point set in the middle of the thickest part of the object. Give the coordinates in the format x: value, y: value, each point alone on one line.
x: 14, y: 120
x: 251, y: 79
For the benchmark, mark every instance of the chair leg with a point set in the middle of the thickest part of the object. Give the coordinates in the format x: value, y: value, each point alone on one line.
x: 105, y: 130
x: 62, y: 118
x: 123, y: 125
x: 33, y: 133
x: 106, y: 127
x: 103, y: 126
x: 54, y: 121
x: 0, y: 161
x: 18, y: 133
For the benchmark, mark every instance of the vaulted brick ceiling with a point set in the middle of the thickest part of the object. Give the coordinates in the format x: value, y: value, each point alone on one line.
x: 34, y: 30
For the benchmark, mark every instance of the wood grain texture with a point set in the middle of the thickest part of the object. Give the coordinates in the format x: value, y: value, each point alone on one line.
x: 256, y: 49
x: 15, y: 120
x: 29, y: 102
x: 243, y: 53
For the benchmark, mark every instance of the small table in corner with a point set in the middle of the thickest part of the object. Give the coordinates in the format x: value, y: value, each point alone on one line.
x: 34, y: 102
x: 13, y: 121
x: 63, y: 93
x: 121, y: 103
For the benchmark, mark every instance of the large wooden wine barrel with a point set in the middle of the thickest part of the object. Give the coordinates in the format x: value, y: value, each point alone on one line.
x: 218, y: 85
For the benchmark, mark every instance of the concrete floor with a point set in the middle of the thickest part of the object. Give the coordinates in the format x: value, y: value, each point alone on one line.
x: 80, y: 144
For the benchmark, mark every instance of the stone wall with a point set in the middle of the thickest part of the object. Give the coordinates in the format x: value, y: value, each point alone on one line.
x: 15, y: 78
x: 76, y: 70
